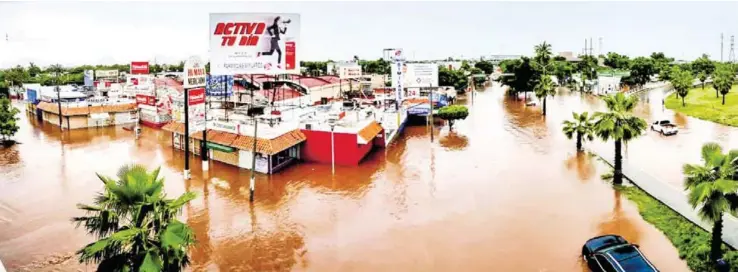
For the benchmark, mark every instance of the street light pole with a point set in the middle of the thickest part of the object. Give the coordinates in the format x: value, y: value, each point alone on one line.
x: 333, y: 150
x: 187, y: 133
x: 58, y: 96
x: 252, y: 182
x: 430, y: 114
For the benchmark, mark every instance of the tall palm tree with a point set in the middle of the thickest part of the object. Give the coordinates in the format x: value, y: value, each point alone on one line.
x: 712, y: 189
x: 543, y: 89
x: 543, y: 53
x: 135, y: 224
x: 620, y: 125
x: 724, y: 80
x: 581, y: 126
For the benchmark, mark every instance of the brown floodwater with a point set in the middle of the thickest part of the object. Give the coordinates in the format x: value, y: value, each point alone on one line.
x: 504, y: 191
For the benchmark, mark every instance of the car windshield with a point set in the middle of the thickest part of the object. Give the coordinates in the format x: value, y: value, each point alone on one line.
x: 636, y: 263
x: 664, y: 122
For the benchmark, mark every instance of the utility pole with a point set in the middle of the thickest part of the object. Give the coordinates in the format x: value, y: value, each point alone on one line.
x: 252, y: 181
x: 187, y: 133
x: 430, y: 115
x: 721, y: 47
x: 58, y: 95
x: 600, y: 49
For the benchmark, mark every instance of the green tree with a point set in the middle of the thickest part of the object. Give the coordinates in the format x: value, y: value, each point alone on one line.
x: 682, y: 81
x: 563, y: 71
x: 543, y: 89
x: 617, y: 61
x: 452, y: 113
x: 724, y: 79
x: 581, y: 126
x: 8, y: 119
x: 703, y: 68
x: 16, y: 76
x: 543, y: 53
x: 641, y: 70
x: 620, y: 125
x: 712, y: 190
x: 486, y: 66
x: 587, y: 68
x: 33, y: 70
x: 135, y: 224
x: 661, y: 62
x: 465, y: 65
x: 448, y: 77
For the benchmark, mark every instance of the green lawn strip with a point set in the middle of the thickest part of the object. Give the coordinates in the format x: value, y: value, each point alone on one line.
x: 692, y: 242
x: 702, y: 104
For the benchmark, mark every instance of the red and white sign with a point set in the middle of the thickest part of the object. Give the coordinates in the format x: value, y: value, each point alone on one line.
x: 196, y: 96
x: 134, y: 81
x: 145, y: 100
x: 254, y: 43
x: 139, y: 67
x: 194, y: 73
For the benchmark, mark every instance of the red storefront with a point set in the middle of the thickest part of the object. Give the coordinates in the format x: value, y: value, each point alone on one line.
x: 350, y: 148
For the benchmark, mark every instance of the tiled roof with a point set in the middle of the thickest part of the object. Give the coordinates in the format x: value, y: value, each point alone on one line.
x: 270, y: 147
x: 223, y: 138
x: 68, y: 111
x: 369, y: 132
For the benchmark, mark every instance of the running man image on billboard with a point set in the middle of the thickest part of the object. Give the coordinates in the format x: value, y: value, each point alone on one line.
x: 253, y: 43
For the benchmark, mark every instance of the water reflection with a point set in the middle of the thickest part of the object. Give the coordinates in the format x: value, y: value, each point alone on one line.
x: 583, y: 163
x: 681, y: 120
x: 453, y: 141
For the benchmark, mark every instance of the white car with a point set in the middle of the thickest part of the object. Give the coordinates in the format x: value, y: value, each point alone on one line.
x: 531, y: 103
x: 665, y: 127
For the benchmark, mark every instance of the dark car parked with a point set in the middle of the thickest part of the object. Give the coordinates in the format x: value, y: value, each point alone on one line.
x: 612, y: 253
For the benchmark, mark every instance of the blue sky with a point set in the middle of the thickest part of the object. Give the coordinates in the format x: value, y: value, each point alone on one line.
x: 73, y: 33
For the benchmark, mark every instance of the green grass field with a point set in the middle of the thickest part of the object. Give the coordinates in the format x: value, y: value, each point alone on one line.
x: 702, y: 104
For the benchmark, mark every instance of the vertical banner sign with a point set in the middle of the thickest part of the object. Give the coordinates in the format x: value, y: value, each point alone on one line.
x: 399, y: 59
x: 194, y: 73
x: 254, y: 43
x: 196, y: 107
x: 89, y: 78
x: 139, y: 68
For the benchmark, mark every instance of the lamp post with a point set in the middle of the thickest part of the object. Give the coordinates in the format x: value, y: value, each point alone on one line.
x: 252, y: 181
x: 333, y: 149
x: 58, y: 95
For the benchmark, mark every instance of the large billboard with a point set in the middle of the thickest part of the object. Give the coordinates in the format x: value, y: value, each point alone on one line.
x: 346, y: 71
x: 194, y: 73
x: 139, y: 67
x: 415, y: 75
x: 254, y: 43
x: 220, y: 86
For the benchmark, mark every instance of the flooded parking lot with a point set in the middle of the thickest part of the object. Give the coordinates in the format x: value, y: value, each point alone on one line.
x: 504, y: 191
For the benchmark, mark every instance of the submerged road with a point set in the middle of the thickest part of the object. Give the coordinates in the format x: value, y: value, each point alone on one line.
x: 504, y: 192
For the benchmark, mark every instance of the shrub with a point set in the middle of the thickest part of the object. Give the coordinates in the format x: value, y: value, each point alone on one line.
x: 452, y: 113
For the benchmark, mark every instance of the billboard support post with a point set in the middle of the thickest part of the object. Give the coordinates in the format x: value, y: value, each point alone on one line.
x: 187, y: 133
x: 195, y: 79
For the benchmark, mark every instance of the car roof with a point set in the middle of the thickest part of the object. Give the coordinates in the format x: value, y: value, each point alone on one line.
x: 603, y: 242
x: 629, y: 258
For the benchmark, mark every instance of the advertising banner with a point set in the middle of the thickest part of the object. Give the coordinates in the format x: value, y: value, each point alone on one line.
x: 139, y: 67
x: 254, y: 43
x: 196, y: 107
x: 194, y: 73
x: 145, y: 100
x: 224, y: 126
x: 347, y: 71
x: 106, y: 73
x: 415, y: 75
x: 89, y: 78
x: 398, y: 70
x: 220, y: 85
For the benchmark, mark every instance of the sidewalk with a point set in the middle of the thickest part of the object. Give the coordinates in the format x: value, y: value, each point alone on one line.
x: 676, y: 200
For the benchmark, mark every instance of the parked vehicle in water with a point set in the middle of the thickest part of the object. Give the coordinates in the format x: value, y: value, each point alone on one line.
x: 612, y: 253
x: 531, y: 103
x: 665, y: 127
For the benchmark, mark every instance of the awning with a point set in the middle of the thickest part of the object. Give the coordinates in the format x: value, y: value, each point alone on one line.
x: 97, y: 116
x: 368, y: 133
x: 218, y: 147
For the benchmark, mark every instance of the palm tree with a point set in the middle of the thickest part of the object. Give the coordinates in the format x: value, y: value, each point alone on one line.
x: 582, y: 126
x: 712, y: 189
x: 135, y: 224
x: 543, y: 53
x: 619, y: 125
x: 724, y: 79
x: 543, y: 89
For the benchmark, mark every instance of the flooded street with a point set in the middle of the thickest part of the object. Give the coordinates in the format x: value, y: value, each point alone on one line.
x: 505, y: 191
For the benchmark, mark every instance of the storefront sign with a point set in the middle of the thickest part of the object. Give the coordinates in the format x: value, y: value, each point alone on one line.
x: 194, y: 73
x: 254, y: 43
x: 145, y: 100
x: 139, y: 67
x: 220, y: 147
x: 224, y: 126
x: 196, y: 105
x: 106, y: 73
x: 348, y: 71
